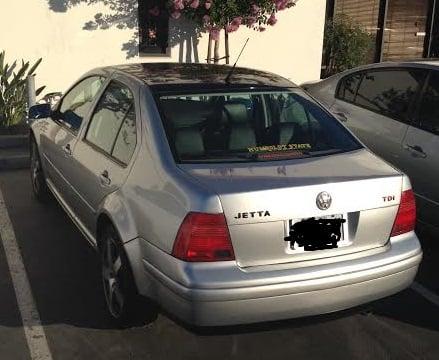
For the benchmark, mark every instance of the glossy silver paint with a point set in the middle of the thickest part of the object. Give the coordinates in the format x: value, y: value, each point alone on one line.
x: 148, y: 200
x: 396, y: 142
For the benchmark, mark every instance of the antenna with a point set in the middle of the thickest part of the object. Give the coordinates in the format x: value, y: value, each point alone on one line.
x: 229, y: 75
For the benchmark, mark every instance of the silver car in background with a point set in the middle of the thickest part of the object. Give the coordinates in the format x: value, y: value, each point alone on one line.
x: 227, y: 196
x: 394, y: 109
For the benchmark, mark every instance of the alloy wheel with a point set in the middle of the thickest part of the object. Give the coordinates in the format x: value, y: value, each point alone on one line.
x: 35, y: 170
x: 112, y: 277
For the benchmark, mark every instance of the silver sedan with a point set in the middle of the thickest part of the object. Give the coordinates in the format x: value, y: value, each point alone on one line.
x: 225, y: 195
x: 394, y: 109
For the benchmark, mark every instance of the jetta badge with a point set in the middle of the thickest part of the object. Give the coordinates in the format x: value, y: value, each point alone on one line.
x: 324, y: 200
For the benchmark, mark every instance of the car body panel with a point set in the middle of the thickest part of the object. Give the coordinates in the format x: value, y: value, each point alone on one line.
x: 223, y: 294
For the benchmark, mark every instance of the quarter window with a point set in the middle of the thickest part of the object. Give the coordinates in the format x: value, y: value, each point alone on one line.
x: 76, y: 104
x: 127, y: 139
x: 429, y: 109
x: 112, y: 127
x: 390, y: 93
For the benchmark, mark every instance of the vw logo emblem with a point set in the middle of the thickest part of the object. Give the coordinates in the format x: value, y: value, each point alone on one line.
x: 324, y: 201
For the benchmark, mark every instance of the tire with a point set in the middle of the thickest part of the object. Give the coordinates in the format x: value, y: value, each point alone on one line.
x: 39, y: 186
x: 125, y: 306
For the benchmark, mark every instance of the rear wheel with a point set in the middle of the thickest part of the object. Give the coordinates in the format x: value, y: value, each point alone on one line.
x: 39, y: 185
x: 124, y: 304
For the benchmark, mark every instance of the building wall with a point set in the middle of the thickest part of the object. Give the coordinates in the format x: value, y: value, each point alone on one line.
x: 60, y: 32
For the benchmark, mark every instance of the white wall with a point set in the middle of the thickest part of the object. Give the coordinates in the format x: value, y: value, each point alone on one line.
x: 29, y: 29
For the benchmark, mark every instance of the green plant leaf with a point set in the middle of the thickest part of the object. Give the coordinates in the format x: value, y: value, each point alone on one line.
x: 35, y: 66
x: 39, y: 90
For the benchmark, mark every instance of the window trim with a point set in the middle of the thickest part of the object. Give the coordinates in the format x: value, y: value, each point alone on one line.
x: 416, y: 119
x: 412, y: 106
x: 97, y: 148
x: 57, y: 107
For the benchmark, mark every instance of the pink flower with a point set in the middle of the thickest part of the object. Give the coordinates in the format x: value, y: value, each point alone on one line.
x: 236, y: 21
x: 206, y: 19
x: 255, y: 9
x: 232, y: 28
x: 250, y: 20
x: 272, y: 20
x: 178, y: 5
x: 195, y: 4
x: 215, y: 33
x: 155, y: 11
x: 176, y: 14
x: 282, y: 4
x: 208, y: 4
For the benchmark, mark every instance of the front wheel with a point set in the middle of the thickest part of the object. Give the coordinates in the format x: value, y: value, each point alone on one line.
x: 39, y: 185
x: 123, y: 302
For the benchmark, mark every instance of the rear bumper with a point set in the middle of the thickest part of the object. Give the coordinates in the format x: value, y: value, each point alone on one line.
x: 224, y: 294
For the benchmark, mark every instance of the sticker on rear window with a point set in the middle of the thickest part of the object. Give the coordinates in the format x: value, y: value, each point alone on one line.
x: 283, y: 147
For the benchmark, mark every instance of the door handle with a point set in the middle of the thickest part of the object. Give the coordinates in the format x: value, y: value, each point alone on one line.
x: 417, y: 149
x: 105, y: 178
x: 67, y: 150
x: 341, y: 116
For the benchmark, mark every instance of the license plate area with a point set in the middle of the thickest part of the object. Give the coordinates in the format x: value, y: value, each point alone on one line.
x: 317, y: 233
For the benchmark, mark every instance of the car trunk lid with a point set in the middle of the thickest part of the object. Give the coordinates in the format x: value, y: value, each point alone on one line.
x: 262, y: 200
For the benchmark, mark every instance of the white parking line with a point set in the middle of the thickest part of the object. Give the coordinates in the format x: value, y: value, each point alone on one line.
x: 424, y: 292
x: 34, y: 332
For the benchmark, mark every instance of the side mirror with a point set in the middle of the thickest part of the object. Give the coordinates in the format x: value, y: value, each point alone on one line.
x: 40, y: 111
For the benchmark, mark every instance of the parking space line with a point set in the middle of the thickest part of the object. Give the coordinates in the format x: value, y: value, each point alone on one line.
x: 424, y: 292
x: 34, y: 332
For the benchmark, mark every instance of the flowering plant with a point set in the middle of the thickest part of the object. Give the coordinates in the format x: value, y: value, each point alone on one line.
x: 215, y: 15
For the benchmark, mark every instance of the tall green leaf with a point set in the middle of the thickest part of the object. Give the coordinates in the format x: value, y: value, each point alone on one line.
x: 13, y: 94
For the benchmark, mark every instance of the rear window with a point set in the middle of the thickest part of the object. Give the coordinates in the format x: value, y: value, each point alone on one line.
x: 253, y: 126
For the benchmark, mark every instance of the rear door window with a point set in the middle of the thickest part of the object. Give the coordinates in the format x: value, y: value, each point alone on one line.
x: 429, y: 106
x: 348, y: 87
x: 77, y: 102
x: 112, y: 126
x: 391, y: 92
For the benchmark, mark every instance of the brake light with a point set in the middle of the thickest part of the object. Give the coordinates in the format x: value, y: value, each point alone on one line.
x: 406, y: 217
x: 203, y: 237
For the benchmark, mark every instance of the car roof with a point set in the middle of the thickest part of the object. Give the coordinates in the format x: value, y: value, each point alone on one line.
x: 425, y: 64
x: 164, y: 77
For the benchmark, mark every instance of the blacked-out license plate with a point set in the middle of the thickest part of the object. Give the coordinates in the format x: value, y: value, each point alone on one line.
x: 316, y: 233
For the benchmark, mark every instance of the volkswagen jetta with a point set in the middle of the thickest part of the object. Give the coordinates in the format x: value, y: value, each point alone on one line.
x: 226, y: 195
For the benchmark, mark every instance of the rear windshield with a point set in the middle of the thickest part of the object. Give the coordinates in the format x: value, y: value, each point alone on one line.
x: 252, y: 126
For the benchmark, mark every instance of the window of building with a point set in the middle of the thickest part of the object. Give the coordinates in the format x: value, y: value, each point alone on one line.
x: 390, y: 92
x: 429, y: 109
x: 405, y: 30
x: 363, y: 12
x: 153, y: 27
x: 402, y: 29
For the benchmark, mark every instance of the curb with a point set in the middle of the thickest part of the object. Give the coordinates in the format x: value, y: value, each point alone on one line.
x: 14, y: 141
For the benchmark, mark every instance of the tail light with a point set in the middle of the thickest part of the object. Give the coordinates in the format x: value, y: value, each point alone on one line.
x: 406, y: 217
x: 203, y: 237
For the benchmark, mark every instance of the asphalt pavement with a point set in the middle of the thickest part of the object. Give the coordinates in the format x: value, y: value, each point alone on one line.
x: 63, y: 274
